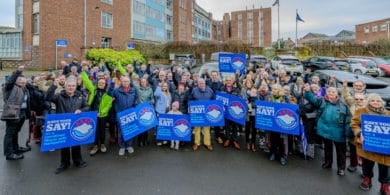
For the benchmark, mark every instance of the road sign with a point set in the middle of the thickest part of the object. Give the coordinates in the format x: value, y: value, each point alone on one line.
x: 130, y: 45
x: 61, y: 43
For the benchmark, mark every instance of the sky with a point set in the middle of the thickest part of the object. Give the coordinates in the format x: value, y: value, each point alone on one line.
x: 320, y: 16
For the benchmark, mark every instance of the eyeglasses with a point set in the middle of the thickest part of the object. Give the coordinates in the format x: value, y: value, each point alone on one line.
x: 358, y: 99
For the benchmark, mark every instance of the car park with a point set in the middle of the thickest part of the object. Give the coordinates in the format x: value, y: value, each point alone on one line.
x: 289, y: 63
x: 362, y: 66
x: 373, y: 85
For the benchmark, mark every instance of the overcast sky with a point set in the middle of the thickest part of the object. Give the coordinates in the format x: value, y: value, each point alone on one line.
x: 321, y: 16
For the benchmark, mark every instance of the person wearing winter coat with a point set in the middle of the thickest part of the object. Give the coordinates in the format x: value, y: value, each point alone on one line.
x: 99, y: 101
x: 202, y: 92
x: 145, y: 94
x: 16, y: 110
x: 124, y: 97
x: 374, y: 106
x: 68, y: 101
x: 333, y: 125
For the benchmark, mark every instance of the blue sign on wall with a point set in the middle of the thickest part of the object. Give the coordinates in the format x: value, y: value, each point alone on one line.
x: 134, y: 121
x: 174, y: 127
x: 232, y: 62
x: 61, y: 43
x: 130, y: 45
x: 376, y: 133
x: 66, y: 130
x: 278, y: 117
x: 235, y: 107
x: 206, y: 113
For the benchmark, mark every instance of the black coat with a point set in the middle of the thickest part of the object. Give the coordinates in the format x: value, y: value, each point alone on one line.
x: 65, y: 103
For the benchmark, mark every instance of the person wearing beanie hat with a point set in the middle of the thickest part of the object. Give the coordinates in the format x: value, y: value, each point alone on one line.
x: 175, y: 110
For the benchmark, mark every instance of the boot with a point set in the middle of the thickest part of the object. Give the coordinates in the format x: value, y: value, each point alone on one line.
x: 385, y: 189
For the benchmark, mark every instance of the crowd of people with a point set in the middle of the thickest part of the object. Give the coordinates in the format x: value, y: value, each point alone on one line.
x: 330, y: 114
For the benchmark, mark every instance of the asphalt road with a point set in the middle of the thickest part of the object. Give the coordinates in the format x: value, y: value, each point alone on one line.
x: 153, y: 170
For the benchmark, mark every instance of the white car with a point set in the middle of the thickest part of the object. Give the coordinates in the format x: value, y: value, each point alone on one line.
x: 364, y: 66
x: 288, y: 63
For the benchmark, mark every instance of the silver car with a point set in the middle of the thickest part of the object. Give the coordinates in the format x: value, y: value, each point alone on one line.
x: 288, y: 63
x: 364, y: 67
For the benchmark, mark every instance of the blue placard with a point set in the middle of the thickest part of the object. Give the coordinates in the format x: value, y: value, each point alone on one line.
x: 67, y: 55
x: 174, y: 127
x: 232, y: 62
x: 134, y: 121
x: 235, y: 107
x: 61, y: 43
x: 206, y: 113
x: 66, y: 130
x: 376, y: 133
x: 278, y: 117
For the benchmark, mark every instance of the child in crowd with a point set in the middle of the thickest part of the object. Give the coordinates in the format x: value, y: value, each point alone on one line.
x: 175, y: 110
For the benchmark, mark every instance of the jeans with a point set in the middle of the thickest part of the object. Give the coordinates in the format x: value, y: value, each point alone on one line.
x: 383, y: 170
x: 124, y: 144
x: 11, y: 136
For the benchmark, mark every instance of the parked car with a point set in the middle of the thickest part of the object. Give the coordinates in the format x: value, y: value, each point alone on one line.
x: 373, y: 85
x: 210, y: 66
x: 364, y: 66
x: 289, y: 63
x: 187, y: 60
x: 325, y: 63
x: 256, y: 60
x: 384, y: 65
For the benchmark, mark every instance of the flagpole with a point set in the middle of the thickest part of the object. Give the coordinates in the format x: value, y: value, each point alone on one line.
x: 296, y: 28
x: 278, y: 27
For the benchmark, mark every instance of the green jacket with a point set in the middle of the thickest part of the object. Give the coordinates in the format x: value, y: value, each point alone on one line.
x: 106, y: 102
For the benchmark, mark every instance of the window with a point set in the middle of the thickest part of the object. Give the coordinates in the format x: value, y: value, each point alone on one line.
x: 250, y: 15
x: 169, y: 4
x: 169, y: 35
x: 384, y: 27
x: 239, y: 17
x: 139, y: 27
x: 375, y: 28
x: 169, y: 19
x: 139, y: 8
x: 366, y: 29
x: 182, y: 4
x: 183, y: 19
x: 106, y: 20
x: 36, y: 23
x: 250, y: 25
x: 107, y: 1
x: 106, y: 42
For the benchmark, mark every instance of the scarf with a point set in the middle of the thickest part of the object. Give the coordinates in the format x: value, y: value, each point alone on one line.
x: 380, y: 110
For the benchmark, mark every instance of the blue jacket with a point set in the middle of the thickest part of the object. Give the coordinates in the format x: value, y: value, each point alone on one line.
x: 198, y: 94
x: 161, y: 105
x: 123, y: 100
x: 333, y: 118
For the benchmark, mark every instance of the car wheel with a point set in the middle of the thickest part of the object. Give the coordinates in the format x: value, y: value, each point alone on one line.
x: 358, y: 72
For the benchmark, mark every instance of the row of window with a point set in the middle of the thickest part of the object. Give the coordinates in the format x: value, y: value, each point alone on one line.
x: 150, y: 31
x: 199, y: 21
x: 10, y: 45
x: 144, y: 10
x: 200, y: 32
x: 383, y: 27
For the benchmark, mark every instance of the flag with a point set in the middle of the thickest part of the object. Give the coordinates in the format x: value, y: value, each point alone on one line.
x: 276, y: 3
x: 303, y: 139
x: 298, y: 18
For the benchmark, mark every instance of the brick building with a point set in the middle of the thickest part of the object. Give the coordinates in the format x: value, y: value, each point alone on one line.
x: 373, y: 31
x: 252, y: 26
x: 191, y: 22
